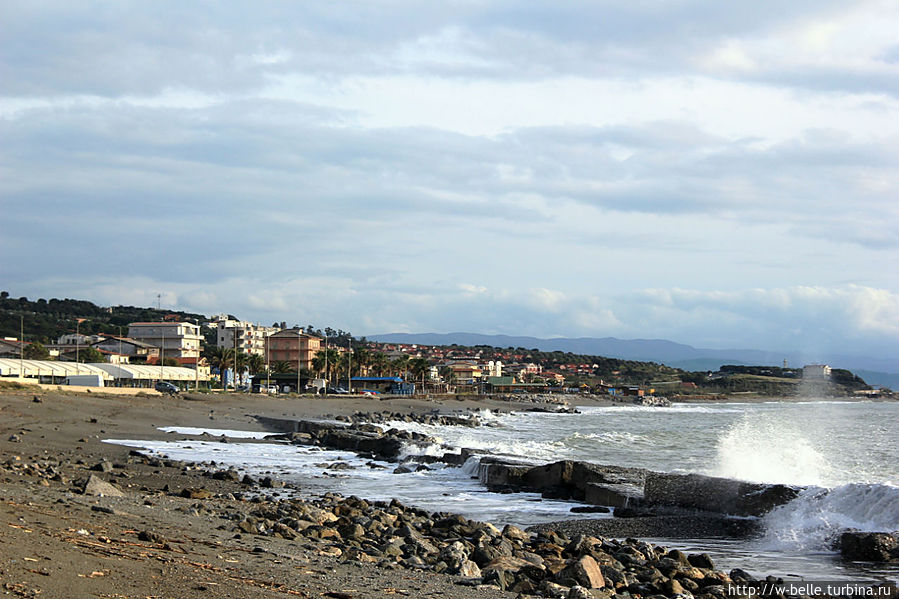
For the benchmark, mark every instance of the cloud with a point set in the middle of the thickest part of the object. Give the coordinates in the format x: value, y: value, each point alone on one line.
x: 476, y: 166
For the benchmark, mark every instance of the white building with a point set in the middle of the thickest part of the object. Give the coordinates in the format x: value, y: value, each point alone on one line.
x: 494, y: 368
x: 178, y: 340
x: 79, y: 339
x: 249, y: 338
x: 816, y: 371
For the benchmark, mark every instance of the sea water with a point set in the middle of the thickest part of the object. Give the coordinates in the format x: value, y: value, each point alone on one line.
x: 845, y: 453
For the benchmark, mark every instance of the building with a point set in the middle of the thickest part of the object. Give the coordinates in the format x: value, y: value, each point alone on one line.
x: 816, y: 371
x: 293, y: 346
x: 78, y: 339
x: 10, y: 347
x: 247, y: 337
x: 178, y: 340
x: 138, y: 352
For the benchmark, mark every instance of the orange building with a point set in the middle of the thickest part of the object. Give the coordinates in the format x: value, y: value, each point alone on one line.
x: 293, y: 346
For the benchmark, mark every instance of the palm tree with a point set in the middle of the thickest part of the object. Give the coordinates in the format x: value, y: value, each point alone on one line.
x: 256, y: 363
x: 418, y: 367
x: 281, y: 367
x: 324, y: 360
x: 379, y: 363
x: 222, y: 358
x: 362, y: 358
x: 400, y: 365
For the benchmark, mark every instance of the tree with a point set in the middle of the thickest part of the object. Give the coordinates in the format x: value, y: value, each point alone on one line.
x: 400, y: 364
x: 418, y: 367
x: 380, y: 362
x: 281, y: 367
x: 36, y: 351
x: 90, y: 355
x: 362, y: 359
x: 221, y: 358
x: 324, y: 362
x: 448, y: 374
x: 255, y: 363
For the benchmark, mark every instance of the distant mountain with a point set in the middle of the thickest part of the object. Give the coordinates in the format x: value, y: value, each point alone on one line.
x: 673, y: 354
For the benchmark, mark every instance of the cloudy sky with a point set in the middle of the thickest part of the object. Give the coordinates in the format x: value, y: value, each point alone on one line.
x: 722, y: 174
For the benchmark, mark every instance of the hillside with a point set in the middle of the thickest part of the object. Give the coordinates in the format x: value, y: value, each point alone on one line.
x: 46, y: 320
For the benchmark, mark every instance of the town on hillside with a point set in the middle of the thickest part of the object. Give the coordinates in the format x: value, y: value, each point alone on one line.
x: 77, y: 343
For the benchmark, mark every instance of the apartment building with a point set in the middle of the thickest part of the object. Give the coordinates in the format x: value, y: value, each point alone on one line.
x: 178, y: 340
x: 247, y: 337
x: 293, y: 346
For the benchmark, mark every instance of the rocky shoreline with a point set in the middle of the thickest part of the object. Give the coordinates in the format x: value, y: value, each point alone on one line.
x: 167, y: 528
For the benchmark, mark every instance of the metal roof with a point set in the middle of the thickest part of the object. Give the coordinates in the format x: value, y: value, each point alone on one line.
x: 38, y: 368
x: 150, y: 373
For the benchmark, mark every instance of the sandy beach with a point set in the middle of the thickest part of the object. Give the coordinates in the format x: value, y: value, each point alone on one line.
x: 56, y: 542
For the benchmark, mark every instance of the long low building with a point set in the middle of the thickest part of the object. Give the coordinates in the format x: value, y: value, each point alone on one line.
x: 111, y: 375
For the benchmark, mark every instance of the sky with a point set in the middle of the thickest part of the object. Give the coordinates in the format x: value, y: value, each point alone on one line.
x: 722, y: 174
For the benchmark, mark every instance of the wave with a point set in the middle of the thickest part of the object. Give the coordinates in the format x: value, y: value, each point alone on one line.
x: 770, y: 449
x: 815, y: 519
x: 614, y: 437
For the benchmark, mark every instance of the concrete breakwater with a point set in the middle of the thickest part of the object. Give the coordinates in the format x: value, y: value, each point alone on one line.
x: 630, y: 491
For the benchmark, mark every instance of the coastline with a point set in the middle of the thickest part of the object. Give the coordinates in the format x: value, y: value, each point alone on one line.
x: 60, y: 437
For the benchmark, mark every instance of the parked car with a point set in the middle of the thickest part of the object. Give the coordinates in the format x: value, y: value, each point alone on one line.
x: 164, y: 387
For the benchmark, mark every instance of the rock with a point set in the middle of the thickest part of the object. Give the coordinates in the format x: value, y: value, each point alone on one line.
x: 715, y: 494
x: 516, y: 534
x: 670, y: 587
x: 37, y: 399
x: 149, y: 537
x: 195, y: 493
x: 96, y: 486
x: 551, y: 589
x: 590, y: 509
x: 701, y: 560
x: 586, y: 572
x: 869, y: 546
x: 579, y: 592
x: 102, y: 466
x: 226, y: 475
x: 14, y: 439
x: 271, y: 483
x: 469, y: 569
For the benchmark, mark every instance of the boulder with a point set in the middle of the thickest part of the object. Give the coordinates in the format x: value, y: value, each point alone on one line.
x: 585, y: 572
x: 99, y: 487
x: 870, y: 546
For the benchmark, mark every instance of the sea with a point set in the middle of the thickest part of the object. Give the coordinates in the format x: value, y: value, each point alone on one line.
x: 845, y: 453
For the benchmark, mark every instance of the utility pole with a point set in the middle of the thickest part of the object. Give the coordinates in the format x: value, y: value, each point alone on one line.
x: 22, y: 347
x: 299, y: 355
x: 349, y: 367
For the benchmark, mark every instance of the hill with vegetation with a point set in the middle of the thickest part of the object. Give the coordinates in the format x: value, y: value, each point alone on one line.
x: 47, y: 320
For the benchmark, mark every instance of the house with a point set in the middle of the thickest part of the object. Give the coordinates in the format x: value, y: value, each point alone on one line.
x: 10, y: 347
x: 138, y: 352
x: 293, y: 346
x: 178, y: 340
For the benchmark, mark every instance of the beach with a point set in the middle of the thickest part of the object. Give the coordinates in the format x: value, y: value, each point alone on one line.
x: 176, y: 529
